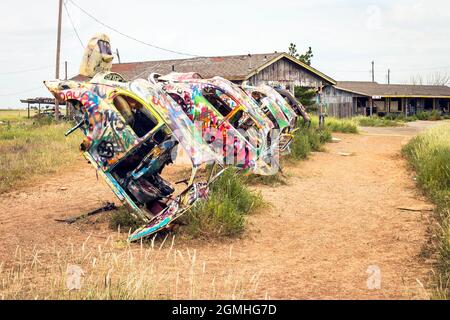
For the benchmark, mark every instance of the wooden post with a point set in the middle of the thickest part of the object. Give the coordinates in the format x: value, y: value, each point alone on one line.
x: 371, y: 107
x: 58, y: 54
x: 29, y: 110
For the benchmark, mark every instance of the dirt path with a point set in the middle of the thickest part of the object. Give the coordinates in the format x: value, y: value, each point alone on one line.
x: 337, y: 217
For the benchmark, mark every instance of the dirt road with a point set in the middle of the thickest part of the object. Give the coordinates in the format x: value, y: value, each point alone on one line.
x: 337, y: 218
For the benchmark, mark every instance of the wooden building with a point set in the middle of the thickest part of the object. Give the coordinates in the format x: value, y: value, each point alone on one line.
x: 270, y: 68
x: 371, y: 98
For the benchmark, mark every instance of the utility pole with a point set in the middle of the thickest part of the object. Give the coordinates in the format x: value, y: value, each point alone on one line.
x: 389, y: 76
x: 373, y: 71
x: 58, y: 54
x: 118, y: 55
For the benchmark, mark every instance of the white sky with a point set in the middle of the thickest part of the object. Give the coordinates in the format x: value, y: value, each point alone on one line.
x: 410, y: 37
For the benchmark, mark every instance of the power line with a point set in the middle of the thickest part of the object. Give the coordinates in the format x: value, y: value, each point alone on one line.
x: 73, y: 24
x: 25, y: 71
x: 128, y: 36
x: 21, y: 92
x: 401, y: 70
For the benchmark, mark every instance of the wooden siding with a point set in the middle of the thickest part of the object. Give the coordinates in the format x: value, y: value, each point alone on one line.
x: 341, y: 104
x: 286, y: 72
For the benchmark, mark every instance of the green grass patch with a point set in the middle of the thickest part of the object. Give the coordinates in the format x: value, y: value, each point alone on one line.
x: 337, y: 125
x: 429, y: 155
x: 34, y: 147
x: 122, y: 219
x: 225, y: 211
x: 376, y: 121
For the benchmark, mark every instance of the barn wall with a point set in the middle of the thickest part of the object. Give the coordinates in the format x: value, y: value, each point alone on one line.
x: 341, y: 104
x: 286, y: 72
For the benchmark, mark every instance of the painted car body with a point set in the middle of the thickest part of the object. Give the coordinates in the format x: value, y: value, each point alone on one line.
x: 131, y: 154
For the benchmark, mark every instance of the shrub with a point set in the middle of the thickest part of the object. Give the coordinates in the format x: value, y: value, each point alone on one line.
x: 429, y: 115
x: 429, y: 155
x: 300, y: 148
x: 223, y: 214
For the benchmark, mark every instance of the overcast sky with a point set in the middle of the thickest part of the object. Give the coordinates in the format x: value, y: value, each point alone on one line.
x: 410, y: 37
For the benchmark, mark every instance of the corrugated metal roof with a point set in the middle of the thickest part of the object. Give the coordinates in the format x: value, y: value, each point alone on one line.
x: 373, y: 89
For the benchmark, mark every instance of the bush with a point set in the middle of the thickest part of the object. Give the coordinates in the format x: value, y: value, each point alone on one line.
x: 223, y: 214
x: 307, y: 140
x: 429, y: 155
x: 429, y: 115
x: 300, y: 148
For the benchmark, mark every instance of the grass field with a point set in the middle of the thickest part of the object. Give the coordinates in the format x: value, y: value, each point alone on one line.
x: 429, y: 155
x: 31, y: 147
x: 119, y: 271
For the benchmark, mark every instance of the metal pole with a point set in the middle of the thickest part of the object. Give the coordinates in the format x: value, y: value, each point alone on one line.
x: 389, y: 76
x: 58, y: 54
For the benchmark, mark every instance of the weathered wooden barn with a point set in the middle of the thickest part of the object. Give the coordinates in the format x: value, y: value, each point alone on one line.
x: 370, y: 98
x: 270, y: 68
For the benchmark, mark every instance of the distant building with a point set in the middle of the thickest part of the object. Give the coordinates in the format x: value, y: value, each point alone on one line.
x: 349, y: 98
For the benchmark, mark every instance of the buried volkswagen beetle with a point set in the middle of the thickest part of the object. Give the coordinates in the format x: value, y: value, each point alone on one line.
x: 282, y: 116
x: 131, y: 137
x: 217, y: 103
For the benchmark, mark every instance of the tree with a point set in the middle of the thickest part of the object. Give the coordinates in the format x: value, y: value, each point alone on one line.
x: 434, y: 79
x: 293, y: 50
x: 305, y: 58
x: 306, y: 96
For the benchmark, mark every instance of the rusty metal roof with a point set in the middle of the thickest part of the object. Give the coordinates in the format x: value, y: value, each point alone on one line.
x: 374, y: 89
x: 41, y: 101
x: 234, y: 68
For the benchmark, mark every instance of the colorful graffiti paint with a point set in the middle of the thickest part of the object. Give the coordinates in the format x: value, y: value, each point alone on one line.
x: 134, y: 130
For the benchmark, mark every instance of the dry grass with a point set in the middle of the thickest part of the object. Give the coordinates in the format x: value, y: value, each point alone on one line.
x: 119, y: 271
x: 29, y: 148
x: 429, y: 155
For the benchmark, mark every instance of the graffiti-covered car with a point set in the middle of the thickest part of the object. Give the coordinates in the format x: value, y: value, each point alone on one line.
x: 276, y: 109
x: 133, y: 131
x: 294, y: 104
x: 217, y: 103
